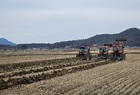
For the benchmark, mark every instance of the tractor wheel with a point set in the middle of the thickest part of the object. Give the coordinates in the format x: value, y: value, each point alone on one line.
x: 88, y: 58
x: 124, y: 57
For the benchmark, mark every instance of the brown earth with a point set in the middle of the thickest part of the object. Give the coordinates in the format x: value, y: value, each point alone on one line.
x: 74, y: 77
x: 33, y: 55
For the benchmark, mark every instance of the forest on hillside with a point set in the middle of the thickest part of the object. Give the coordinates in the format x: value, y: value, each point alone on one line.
x: 132, y: 34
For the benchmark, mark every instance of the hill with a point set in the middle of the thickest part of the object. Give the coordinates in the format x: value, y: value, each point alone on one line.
x: 4, y: 41
x: 132, y: 34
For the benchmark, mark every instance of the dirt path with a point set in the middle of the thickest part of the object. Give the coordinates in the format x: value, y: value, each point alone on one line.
x: 119, y: 78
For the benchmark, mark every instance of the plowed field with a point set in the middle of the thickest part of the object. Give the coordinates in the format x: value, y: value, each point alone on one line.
x: 69, y: 76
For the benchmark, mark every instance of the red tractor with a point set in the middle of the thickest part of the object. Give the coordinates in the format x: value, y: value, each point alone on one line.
x: 118, y: 50
x: 104, y: 52
x: 84, y: 53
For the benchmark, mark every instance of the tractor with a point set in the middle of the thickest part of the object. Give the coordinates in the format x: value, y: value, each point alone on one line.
x: 84, y: 53
x: 118, y: 50
x: 104, y: 52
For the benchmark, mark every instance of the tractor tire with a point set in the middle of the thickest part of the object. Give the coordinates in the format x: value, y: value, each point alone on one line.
x: 88, y: 58
x: 124, y: 57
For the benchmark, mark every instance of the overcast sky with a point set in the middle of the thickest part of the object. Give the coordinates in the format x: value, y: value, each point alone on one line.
x: 49, y: 21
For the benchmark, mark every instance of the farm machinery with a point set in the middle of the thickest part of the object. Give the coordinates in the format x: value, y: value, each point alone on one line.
x: 118, y: 50
x: 84, y: 53
x: 104, y: 52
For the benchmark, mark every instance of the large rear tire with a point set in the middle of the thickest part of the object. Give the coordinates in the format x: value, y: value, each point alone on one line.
x: 88, y: 58
x: 124, y: 57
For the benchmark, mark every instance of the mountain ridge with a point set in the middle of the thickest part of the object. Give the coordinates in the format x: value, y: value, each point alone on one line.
x: 4, y: 41
x: 132, y: 34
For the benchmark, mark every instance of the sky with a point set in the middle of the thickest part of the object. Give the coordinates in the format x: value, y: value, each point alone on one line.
x: 49, y: 21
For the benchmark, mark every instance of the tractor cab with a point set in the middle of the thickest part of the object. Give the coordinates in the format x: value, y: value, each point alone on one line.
x: 104, y: 51
x: 84, y: 53
x: 118, y: 50
x: 84, y: 50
